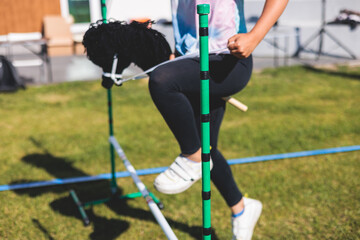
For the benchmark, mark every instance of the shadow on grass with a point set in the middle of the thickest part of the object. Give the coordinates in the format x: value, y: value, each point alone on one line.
x: 351, y: 76
x: 42, y: 229
x: 194, y: 231
x: 103, y: 228
x: 56, y: 166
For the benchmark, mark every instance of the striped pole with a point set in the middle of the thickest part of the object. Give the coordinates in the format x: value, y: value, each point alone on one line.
x: 113, y: 184
x: 203, y: 10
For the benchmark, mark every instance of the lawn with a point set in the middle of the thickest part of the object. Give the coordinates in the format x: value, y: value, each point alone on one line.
x: 61, y: 131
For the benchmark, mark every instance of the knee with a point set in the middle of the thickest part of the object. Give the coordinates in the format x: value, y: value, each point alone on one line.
x: 159, y: 79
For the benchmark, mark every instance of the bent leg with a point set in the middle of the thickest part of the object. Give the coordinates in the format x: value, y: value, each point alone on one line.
x: 168, y: 86
x: 175, y: 90
x: 221, y: 174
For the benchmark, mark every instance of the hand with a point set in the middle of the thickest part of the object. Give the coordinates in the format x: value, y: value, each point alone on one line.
x: 242, y: 45
x: 172, y: 56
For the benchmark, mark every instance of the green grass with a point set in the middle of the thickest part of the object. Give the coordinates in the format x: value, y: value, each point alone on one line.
x: 60, y: 131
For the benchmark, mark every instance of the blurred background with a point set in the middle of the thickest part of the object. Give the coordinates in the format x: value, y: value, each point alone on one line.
x: 42, y: 38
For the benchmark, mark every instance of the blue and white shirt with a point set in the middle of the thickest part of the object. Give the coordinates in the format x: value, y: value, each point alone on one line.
x: 226, y: 19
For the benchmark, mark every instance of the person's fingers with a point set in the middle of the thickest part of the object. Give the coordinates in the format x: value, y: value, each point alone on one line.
x: 237, y: 51
x: 232, y: 39
x: 237, y: 46
x: 232, y: 45
x: 238, y: 55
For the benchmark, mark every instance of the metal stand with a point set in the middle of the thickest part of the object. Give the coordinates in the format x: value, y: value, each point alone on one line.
x: 273, y: 40
x: 113, y: 185
x: 154, y: 204
x: 36, y: 47
x: 320, y: 33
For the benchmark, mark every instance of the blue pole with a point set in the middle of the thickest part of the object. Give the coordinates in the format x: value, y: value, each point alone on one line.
x: 148, y: 171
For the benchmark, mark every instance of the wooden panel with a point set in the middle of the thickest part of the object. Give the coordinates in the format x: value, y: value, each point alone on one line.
x: 51, y: 6
x: 20, y: 22
x: 4, y: 16
x: 25, y: 15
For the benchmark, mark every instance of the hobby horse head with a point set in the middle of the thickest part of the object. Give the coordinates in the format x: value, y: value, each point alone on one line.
x: 132, y: 43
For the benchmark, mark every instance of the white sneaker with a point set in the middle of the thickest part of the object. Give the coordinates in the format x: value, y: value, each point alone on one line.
x: 181, y: 174
x: 243, y: 226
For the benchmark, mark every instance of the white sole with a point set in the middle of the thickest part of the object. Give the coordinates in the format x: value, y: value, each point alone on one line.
x: 180, y: 164
x: 173, y: 191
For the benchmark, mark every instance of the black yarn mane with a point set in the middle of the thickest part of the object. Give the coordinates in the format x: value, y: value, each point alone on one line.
x: 134, y: 43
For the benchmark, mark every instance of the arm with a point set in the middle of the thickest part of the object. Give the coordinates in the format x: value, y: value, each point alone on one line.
x: 243, y: 44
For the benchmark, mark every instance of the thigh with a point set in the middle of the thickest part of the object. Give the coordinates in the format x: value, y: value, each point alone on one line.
x: 178, y: 75
x: 228, y: 75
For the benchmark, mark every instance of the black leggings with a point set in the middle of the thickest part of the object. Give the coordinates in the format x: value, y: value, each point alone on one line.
x: 175, y: 90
